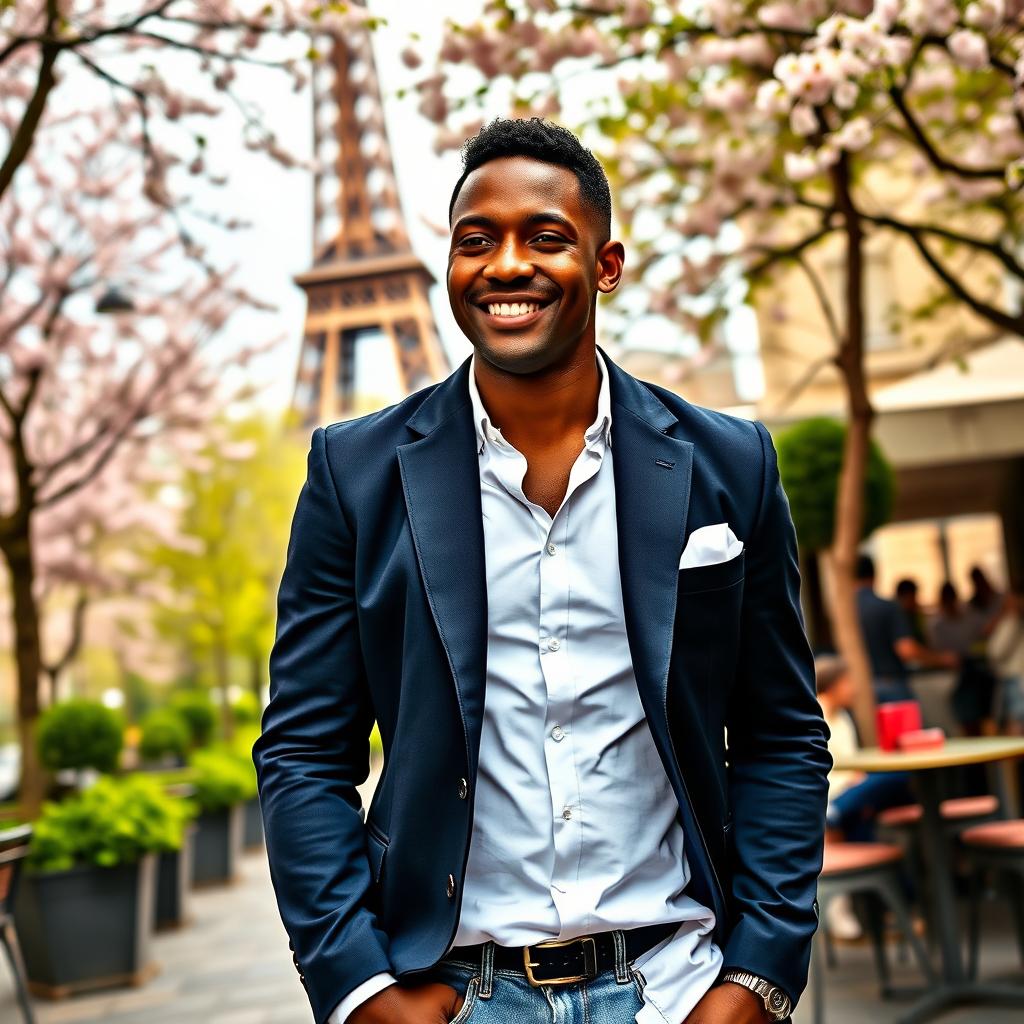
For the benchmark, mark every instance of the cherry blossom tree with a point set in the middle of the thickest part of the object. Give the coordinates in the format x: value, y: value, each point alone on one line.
x: 744, y: 137
x: 93, y: 410
x: 124, y: 46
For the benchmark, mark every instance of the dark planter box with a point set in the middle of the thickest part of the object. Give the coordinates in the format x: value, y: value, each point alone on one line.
x: 253, y: 824
x: 173, y: 884
x: 218, y: 845
x: 87, y: 927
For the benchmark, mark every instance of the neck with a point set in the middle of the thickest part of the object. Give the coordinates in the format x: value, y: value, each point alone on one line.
x: 541, y: 409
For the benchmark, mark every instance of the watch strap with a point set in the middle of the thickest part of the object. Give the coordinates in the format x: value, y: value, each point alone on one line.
x: 776, y: 1002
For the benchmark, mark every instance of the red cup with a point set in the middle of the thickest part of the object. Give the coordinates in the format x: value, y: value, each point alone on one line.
x: 894, y: 719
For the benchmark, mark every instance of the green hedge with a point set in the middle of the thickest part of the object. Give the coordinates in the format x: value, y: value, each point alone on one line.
x: 115, y: 821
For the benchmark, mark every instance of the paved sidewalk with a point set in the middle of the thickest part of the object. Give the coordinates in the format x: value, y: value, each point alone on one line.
x: 230, y: 965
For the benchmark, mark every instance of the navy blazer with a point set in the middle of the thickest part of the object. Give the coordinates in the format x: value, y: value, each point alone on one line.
x: 382, y: 615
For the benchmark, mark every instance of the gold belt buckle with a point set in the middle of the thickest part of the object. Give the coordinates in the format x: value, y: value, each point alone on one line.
x: 589, y: 961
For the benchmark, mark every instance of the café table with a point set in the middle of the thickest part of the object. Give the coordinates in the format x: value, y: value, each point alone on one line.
x: 927, y: 767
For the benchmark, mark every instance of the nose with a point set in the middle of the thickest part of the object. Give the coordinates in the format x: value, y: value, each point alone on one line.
x: 507, y: 262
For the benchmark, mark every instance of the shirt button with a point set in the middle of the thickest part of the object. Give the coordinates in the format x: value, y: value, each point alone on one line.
x: 463, y: 789
x: 567, y: 813
x: 557, y: 733
x: 553, y: 643
x: 552, y: 549
x: 450, y: 887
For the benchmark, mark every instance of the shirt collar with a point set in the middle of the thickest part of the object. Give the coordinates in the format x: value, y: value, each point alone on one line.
x: 600, y: 429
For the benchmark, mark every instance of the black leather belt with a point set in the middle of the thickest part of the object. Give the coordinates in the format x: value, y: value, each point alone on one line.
x: 564, y: 961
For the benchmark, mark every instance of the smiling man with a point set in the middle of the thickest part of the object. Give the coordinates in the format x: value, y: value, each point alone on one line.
x: 570, y: 600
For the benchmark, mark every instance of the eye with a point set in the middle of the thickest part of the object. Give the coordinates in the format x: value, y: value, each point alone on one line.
x: 549, y: 234
x: 472, y: 240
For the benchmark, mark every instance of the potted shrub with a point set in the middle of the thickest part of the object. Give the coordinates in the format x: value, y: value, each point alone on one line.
x: 241, y: 748
x: 222, y: 785
x: 165, y: 738
x: 84, y: 908
x: 76, y: 735
x: 196, y: 710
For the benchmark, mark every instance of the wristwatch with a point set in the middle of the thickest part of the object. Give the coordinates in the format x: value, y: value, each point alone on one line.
x: 776, y: 1002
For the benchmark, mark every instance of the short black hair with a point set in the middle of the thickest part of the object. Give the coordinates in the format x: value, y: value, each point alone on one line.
x: 865, y: 568
x: 544, y: 140
x: 906, y: 587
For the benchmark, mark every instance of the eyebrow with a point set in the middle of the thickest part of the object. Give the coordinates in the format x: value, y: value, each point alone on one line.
x: 543, y: 217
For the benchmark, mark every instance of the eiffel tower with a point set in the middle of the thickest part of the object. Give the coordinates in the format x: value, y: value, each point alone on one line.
x: 366, y: 285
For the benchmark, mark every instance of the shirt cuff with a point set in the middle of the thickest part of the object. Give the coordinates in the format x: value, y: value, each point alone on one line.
x: 359, y: 995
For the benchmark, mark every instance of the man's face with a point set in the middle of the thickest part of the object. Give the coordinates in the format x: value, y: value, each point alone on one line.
x: 521, y: 236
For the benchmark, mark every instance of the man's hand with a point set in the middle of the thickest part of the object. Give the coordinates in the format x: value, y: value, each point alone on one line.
x: 729, y: 1003
x: 428, y: 1003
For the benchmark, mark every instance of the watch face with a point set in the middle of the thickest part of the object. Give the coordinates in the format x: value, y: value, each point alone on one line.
x: 778, y: 1001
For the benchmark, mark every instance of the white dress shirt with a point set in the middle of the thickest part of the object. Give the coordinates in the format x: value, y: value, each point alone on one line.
x: 576, y: 827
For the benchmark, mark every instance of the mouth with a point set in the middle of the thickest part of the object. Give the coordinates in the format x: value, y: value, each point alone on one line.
x: 512, y: 315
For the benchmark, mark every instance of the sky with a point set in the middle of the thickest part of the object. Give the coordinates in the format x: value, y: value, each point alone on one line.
x: 278, y: 204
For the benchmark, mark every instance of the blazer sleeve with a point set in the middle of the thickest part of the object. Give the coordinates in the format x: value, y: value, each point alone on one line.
x: 313, y: 752
x: 778, y: 757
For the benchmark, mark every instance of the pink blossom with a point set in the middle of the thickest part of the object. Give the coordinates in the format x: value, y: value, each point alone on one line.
x: 854, y: 135
x: 968, y: 48
x: 800, y: 166
x: 985, y: 14
x: 802, y: 119
x: 845, y: 94
x: 411, y: 57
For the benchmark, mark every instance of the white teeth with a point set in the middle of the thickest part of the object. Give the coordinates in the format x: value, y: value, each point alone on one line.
x: 512, y: 308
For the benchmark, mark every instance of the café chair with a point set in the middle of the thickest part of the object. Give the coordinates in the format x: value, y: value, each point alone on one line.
x: 998, y: 848
x: 872, y: 871
x: 957, y: 813
x: 13, y: 849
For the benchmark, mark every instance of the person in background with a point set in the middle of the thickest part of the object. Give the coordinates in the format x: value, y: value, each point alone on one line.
x: 985, y: 600
x: 889, y: 639
x: 854, y: 798
x: 906, y: 598
x: 960, y: 628
x: 1006, y: 654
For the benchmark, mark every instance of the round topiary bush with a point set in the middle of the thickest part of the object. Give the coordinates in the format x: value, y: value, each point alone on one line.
x: 810, y: 459
x: 164, y: 734
x: 199, y: 714
x: 79, y: 733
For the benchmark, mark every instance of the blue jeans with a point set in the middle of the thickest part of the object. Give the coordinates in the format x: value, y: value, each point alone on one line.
x: 496, y: 996
x: 854, y: 810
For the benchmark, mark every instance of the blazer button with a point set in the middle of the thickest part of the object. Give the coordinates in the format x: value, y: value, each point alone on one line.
x: 450, y: 887
x: 463, y: 789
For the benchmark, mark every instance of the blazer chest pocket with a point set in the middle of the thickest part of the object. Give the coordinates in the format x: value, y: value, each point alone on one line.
x: 709, y: 605
x: 377, y: 847
x: 696, y: 579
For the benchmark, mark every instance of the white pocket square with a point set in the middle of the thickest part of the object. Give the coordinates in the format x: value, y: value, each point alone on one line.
x: 710, y: 544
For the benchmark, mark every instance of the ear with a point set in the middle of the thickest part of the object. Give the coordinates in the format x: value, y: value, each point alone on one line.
x: 610, y: 259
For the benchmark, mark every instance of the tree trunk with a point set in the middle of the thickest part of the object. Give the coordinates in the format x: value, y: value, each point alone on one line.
x: 17, y: 551
x: 256, y: 677
x: 849, y: 517
x: 819, y: 629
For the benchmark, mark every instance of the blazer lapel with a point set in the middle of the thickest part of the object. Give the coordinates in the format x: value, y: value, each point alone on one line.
x: 652, y: 495
x: 441, y: 486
